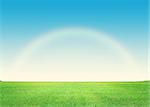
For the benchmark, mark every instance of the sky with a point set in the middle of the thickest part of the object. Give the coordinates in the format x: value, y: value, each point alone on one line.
x: 23, y: 21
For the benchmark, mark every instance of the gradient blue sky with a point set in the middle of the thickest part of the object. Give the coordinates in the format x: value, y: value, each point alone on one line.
x: 24, y: 20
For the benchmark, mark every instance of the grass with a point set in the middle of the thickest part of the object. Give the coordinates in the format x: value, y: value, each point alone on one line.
x: 74, y: 94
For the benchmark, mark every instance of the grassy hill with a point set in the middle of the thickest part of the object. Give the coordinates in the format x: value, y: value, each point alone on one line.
x: 74, y: 94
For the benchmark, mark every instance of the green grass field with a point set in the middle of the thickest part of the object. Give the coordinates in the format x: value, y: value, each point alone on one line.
x: 74, y: 94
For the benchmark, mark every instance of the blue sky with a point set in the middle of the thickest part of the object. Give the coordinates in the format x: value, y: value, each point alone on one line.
x: 24, y: 20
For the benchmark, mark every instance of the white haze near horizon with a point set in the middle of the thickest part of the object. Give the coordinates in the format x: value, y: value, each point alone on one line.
x: 75, y: 58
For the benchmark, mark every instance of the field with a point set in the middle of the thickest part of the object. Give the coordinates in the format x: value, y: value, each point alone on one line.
x: 74, y: 94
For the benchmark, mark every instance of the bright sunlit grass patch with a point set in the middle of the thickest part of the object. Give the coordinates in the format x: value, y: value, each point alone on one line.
x: 74, y: 94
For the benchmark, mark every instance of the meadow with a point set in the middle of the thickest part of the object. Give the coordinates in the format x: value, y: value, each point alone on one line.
x: 74, y: 94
